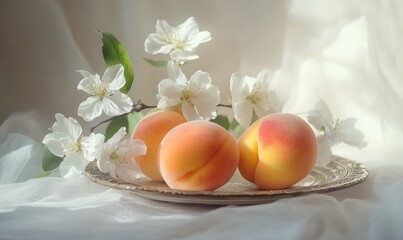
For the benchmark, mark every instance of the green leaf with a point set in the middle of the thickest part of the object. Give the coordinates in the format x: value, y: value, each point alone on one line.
x: 236, y: 128
x: 238, y: 131
x: 49, y: 160
x: 152, y: 110
x: 222, y: 120
x: 133, y: 119
x: 43, y: 174
x: 115, y: 125
x: 114, y: 53
x: 156, y: 63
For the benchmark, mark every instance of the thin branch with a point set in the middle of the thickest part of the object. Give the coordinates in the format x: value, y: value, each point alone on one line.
x: 107, y: 120
x: 224, y: 105
x: 138, y: 107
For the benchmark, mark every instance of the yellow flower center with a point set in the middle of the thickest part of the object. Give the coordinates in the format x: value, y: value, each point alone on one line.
x: 177, y: 43
x: 77, y: 147
x: 187, y: 95
x: 101, y: 92
x: 258, y: 96
x: 117, y: 159
x: 176, y: 40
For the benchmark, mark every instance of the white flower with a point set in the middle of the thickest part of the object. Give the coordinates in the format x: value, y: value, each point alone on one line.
x: 196, y: 97
x: 117, y: 156
x: 105, y: 94
x: 180, y: 41
x: 252, y: 97
x: 333, y: 132
x: 66, y: 141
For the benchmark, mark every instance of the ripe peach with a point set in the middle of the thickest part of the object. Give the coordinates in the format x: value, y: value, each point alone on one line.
x: 198, y: 155
x: 151, y: 129
x: 277, y: 151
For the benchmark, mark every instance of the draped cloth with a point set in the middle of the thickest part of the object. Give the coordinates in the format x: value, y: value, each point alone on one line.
x: 347, y: 53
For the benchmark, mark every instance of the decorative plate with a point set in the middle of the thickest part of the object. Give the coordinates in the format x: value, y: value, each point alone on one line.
x: 340, y: 173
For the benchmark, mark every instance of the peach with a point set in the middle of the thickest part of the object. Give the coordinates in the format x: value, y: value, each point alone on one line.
x: 198, y: 155
x: 151, y: 129
x: 277, y: 151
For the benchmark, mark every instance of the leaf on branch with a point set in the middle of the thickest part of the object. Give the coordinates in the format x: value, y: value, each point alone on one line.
x: 152, y: 110
x: 222, y: 120
x: 236, y: 128
x: 43, y: 174
x: 49, y: 160
x: 128, y: 121
x: 133, y: 119
x: 115, y: 125
x: 114, y: 53
x: 156, y: 63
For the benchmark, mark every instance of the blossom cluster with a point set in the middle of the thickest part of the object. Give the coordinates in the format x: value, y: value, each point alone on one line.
x: 197, y: 98
x: 114, y: 156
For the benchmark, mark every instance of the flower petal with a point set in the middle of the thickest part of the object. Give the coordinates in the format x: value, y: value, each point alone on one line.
x: 243, y: 112
x: 84, y: 73
x: 239, y: 88
x: 155, y: 44
x: 271, y: 103
x: 187, y: 28
x: 68, y: 144
x: 103, y: 162
x: 208, y: 99
x: 260, y: 112
x: 348, y: 134
x: 130, y: 148
x: 169, y: 93
x: 324, y: 151
x: 264, y: 78
x: 200, y: 78
x: 114, y: 141
x: 90, y: 83
x: 189, y: 112
x: 90, y: 109
x: 326, y: 113
x: 175, y: 73
x: 126, y: 173
x: 168, y: 88
x: 112, y: 170
x: 196, y: 39
x: 72, y: 165
x: 67, y: 126
x: 92, y: 146
x: 250, y: 82
x: 163, y: 28
x: 114, y: 77
x: 315, y: 118
x: 182, y: 56
x: 52, y: 141
x: 117, y: 104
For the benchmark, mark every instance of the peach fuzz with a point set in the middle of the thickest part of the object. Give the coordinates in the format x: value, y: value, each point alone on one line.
x: 277, y: 151
x: 152, y: 129
x: 198, y: 155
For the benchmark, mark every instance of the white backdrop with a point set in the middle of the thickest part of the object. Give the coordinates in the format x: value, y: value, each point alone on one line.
x: 347, y: 52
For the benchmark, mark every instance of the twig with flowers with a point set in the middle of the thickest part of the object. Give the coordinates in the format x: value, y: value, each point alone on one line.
x: 197, y: 98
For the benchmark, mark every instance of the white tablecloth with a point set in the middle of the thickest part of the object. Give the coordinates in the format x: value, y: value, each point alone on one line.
x: 347, y: 53
x: 56, y: 208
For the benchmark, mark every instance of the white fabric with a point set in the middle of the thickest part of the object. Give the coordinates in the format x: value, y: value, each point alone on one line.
x: 347, y: 52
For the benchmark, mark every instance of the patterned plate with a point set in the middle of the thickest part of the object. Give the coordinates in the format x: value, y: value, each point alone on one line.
x: 340, y: 173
